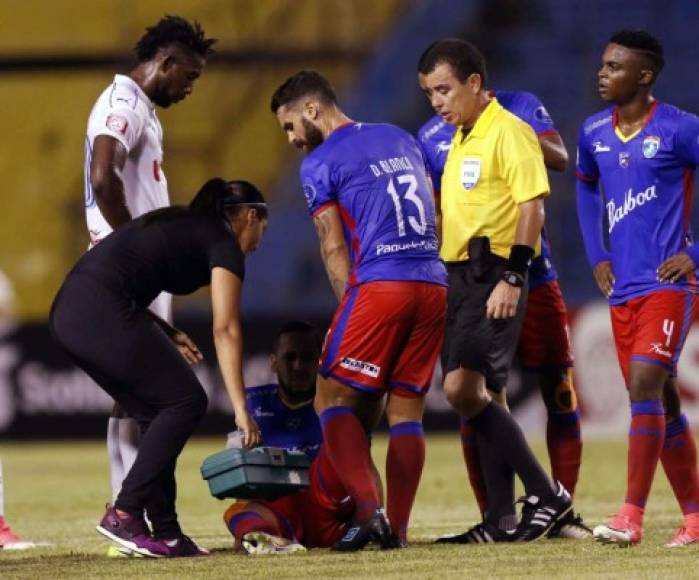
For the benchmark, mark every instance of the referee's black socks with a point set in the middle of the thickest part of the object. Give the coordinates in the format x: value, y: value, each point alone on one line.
x: 504, y: 436
x: 499, y: 478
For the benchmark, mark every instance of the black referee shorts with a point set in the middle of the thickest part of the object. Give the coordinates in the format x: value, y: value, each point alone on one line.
x: 472, y: 340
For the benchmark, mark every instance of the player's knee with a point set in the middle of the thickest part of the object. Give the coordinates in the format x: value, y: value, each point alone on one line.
x: 467, y: 399
x: 404, y: 406
x: 452, y: 392
x: 558, y: 391
x: 643, y: 388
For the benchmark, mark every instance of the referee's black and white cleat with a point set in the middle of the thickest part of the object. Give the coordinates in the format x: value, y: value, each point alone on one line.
x: 482, y: 533
x: 377, y: 530
x: 539, y: 515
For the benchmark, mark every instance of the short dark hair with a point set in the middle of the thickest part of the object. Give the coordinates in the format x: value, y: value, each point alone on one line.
x: 462, y: 56
x: 298, y: 327
x: 303, y: 83
x: 174, y: 30
x: 645, y: 43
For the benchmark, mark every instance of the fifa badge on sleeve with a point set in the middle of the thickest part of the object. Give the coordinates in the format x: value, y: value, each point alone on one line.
x: 470, y: 172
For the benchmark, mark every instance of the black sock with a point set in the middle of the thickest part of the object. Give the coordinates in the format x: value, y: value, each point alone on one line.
x: 499, y: 480
x: 504, y: 436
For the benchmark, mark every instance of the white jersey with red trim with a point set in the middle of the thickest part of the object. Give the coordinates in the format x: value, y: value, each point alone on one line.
x: 124, y: 112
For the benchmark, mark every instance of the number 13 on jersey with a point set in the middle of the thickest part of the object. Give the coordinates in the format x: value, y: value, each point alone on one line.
x: 406, y: 191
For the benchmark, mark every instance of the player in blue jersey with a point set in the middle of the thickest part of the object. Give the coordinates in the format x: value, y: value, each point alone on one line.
x: 284, y: 411
x: 635, y: 166
x: 544, y: 347
x: 367, y: 188
x: 320, y: 515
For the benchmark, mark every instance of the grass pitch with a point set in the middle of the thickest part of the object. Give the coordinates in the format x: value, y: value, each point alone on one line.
x: 55, y: 492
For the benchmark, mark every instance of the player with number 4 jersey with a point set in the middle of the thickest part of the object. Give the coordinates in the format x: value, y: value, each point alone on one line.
x: 642, y: 154
x: 368, y: 191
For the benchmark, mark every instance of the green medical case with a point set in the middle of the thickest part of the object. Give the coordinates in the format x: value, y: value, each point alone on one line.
x: 260, y: 473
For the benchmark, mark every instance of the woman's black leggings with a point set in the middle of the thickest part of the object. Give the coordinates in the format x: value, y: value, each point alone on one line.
x: 129, y: 356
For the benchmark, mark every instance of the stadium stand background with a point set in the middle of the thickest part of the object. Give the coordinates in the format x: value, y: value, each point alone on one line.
x: 55, y: 58
x: 547, y: 47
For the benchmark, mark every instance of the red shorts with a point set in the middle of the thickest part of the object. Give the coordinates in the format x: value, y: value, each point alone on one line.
x: 652, y: 328
x: 545, y: 338
x: 386, y: 335
x: 319, y: 516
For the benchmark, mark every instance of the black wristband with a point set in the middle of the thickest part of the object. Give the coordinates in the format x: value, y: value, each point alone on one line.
x: 520, y: 259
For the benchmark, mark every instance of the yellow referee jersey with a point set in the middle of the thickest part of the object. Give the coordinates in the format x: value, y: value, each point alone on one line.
x: 497, y: 166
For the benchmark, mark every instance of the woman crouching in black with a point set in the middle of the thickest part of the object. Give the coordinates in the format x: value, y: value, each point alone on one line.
x: 101, y: 318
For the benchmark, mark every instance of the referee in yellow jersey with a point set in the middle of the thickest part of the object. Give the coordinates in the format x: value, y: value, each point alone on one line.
x: 492, y: 212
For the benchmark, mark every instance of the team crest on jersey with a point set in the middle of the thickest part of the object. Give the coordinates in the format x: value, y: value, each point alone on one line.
x: 651, y: 145
x: 624, y: 158
x: 470, y: 172
x: 310, y: 192
x: 117, y: 123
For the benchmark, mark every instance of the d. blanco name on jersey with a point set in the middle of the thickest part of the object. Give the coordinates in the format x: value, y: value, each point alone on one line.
x: 124, y: 112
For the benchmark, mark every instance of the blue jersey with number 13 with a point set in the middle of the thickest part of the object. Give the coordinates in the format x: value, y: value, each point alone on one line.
x: 376, y: 176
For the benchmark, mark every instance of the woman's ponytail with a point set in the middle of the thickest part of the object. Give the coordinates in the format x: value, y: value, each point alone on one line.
x: 210, y: 198
x: 218, y: 196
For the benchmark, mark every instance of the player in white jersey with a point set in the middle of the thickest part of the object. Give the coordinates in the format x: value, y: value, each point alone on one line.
x: 123, y: 162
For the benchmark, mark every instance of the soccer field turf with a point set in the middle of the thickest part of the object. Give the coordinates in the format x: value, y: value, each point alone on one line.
x: 55, y: 492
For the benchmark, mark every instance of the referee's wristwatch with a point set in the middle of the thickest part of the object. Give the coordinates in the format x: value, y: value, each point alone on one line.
x: 513, y: 278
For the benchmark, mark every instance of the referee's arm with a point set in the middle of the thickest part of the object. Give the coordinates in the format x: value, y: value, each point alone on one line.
x: 503, y: 300
x: 531, y: 221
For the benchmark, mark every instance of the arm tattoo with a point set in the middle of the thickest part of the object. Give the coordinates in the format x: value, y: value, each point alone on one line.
x: 333, y: 249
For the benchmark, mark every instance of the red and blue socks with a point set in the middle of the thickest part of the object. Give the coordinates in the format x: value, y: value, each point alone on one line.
x: 679, y: 459
x: 404, y: 462
x: 646, y: 436
x: 469, y: 447
x: 565, y: 447
x: 240, y: 523
x: 347, y: 445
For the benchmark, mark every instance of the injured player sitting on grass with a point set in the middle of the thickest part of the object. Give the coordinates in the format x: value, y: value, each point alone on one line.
x: 320, y: 515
